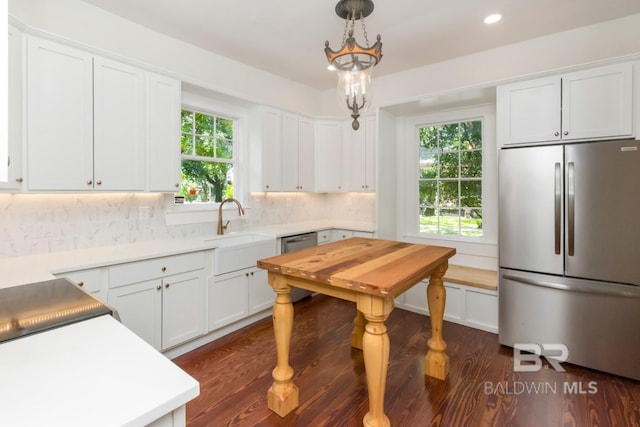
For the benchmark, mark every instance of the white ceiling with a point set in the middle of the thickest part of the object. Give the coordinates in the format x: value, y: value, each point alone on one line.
x: 287, y: 37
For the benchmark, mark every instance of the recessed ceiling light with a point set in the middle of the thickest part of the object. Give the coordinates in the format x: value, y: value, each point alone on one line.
x: 493, y: 18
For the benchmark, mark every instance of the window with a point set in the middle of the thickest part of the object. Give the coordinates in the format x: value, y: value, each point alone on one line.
x: 450, y: 179
x: 207, y: 147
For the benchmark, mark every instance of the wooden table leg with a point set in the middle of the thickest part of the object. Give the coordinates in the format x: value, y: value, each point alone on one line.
x: 358, y: 330
x: 436, y: 363
x: 282, y: 397
x: 375, y: 347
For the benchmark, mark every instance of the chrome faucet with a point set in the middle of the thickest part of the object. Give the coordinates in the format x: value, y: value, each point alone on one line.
x: 222, y: 227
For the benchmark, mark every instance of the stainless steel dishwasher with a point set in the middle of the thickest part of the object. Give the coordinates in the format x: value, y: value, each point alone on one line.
x: 295, y: 243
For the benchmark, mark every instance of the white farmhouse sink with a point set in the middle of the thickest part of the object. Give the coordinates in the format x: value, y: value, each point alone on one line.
x: 240, y: 239
x: 240, y: 251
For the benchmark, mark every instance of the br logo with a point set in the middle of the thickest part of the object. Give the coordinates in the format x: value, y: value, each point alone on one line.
x: 528, y: 357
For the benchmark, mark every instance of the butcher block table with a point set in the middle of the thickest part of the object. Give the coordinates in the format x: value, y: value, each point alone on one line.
x: 371, y: 273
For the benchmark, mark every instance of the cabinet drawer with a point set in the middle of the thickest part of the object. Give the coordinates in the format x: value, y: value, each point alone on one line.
x: 340, y: 234
x: 90, y: 280
x: 324, y: 236
x: 134, y: 272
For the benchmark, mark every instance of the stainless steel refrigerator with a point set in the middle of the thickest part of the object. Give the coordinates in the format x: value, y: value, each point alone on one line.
x: 569, y: 251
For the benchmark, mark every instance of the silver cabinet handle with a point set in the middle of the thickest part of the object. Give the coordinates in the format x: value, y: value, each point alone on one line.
x: 571, y: 208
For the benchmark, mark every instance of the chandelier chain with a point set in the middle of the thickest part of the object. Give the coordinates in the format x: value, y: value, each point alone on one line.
x: 364, y: 30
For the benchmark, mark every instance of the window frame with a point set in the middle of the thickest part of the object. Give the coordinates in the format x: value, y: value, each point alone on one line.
x: 409, y: 157
x: 194, y: 157
x: 458, y: 179
x: 199, y: 99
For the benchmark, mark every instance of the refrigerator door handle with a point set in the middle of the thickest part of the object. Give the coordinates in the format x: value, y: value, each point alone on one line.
x: 557, y: 206
x: 595, y: 289
x: 571, y: 208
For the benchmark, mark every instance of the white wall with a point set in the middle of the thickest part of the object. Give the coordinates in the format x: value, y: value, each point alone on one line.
x: 93, y: 27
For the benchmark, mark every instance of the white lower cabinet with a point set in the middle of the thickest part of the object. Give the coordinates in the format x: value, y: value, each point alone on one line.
x: 139, y: 306
x: 162, y: 300
x: 228, y: 296
x: 236, y: 295
x: 261, y: 295
x: 465, y: 305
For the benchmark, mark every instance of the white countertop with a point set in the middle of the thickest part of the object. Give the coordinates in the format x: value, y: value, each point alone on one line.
x: 35, y: 268
x: 92, y: 373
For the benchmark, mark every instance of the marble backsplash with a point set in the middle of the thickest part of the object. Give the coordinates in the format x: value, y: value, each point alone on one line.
x: 35, y: 223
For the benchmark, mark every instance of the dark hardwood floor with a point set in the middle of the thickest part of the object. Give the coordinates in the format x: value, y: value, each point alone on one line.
x: 481, y: 389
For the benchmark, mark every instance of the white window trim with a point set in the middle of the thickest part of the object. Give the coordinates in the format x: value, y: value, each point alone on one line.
x: 408, y: 180
x: 188, y: 213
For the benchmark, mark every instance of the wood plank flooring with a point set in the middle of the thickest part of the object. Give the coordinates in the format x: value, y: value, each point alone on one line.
x: 481, y: 389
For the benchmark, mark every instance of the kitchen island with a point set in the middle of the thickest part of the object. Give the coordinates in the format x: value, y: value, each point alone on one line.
x: 371, y: 273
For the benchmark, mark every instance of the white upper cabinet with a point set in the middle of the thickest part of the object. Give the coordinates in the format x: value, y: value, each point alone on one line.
x: 329, y: 158
x: 590, y: 104
x: 59, y: 117
x: 163, y: 131
x: 282, y: 145
x: 11, y: 177
x: 360, y: 149
x: 119, y: 126
x: 598, y: 103
x: 297, y: 153
x: 266, y: 149
x: 97, y: 124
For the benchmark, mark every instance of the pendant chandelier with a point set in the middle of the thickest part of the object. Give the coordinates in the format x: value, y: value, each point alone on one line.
x: 353, y: 62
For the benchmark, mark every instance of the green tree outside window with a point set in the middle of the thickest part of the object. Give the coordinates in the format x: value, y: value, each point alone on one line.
x: 206, y: 146
x: 450, y: 179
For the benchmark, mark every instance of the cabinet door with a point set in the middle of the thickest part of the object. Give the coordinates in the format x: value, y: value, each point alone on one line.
x: 261, y: 295
x: 597, y: 103
x: 290, y: 152
x: 356, y: 157
x: 163, y: 131
x: 59, y: 117
x: 531, y: 111
x: 228, y: 299
x: 119, y: 126
x: 360, y: 154
x: 370, y: 154
x: 271, y: 135
x: 183, y: 308
x: 329, y: 157
x: 139, y: 306
x: 10, y: 155
x: 306, y: 156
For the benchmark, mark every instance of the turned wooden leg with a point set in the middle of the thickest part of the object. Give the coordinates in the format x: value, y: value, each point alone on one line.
x: 375, y: 347
x: 282, y: 397
x: 358, y: 330
x: 436, y: 363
